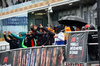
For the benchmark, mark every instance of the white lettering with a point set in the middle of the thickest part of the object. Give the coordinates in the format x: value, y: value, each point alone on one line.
x: 74, y: 44
x: 76, y: 48
x: 73, y: 52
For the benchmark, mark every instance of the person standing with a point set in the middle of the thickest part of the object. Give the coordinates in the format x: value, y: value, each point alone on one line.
x: 21, y: 37
x: 13, y: 42
x: 30, y: 40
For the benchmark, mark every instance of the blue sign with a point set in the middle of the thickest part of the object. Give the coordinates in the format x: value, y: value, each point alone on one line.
x: 15, y: 21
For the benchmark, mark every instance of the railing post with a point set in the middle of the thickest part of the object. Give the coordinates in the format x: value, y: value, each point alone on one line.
x: 98, y: 23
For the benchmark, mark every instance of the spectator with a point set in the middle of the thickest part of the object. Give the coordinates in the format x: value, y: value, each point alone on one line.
x: 13, y: 42
x: 42, y: 36
x: 30, y: 40
x: 51, y: 35
x: 92, y: 38
x: 21, y: 37
x: 57, y: 29
x: 45, y: 36
x: 61, y: 37
x: 78, y: 28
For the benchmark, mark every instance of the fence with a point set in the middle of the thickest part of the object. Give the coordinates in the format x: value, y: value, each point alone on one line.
x: 87, y: 61
x: 4, y: 47
x: 35, y: 56
x: 55, y: 55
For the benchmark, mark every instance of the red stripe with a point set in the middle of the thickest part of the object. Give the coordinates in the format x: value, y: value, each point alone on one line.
x: 33, y: 32
x: 39, y: 40
x: 78, y: 64
x: 32, y: 44
x: 71, y: 64
x: 82, y: 49
x: 66, y: 63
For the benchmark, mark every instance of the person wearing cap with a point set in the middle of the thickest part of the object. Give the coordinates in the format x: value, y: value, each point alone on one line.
x: 61, y: 37
x: 21, y: 38
x: 87, y: 26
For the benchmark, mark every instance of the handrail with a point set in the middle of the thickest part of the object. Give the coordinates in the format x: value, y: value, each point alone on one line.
x: 50, y: 46
x: 34, y: 48
x: 82, y: 31
x: 92, y: 43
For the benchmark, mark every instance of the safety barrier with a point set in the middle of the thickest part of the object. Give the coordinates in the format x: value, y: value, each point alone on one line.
x: 86, y: 62
x: 54, y: 54
x: 4, y: 48
x: 33, y: 56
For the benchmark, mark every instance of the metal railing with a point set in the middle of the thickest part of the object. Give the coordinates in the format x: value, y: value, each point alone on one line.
x: 4, y: 48
x: 40, y: 51
x: 64, y: 48
x: 89, y: 62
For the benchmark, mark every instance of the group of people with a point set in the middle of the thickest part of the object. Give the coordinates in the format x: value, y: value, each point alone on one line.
x: 31, y: 39
x: 41, y: 36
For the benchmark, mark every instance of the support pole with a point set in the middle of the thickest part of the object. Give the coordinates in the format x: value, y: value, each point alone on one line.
x: 98, y: 24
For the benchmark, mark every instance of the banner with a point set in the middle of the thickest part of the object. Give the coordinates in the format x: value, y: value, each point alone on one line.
x: 60, y: 57
x: 17, y: 58
x: 54, y: 56
x: 33, y: 57
x: 77, y: 46
x: 38, y: 57
x: 43, y: 57
x: 15, y: 21
x: 6, y: 59
x: 75, y: 64
x: 26, y: 56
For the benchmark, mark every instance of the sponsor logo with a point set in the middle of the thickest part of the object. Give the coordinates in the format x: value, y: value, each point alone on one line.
x: 5, y: 60
x: 73, y: 39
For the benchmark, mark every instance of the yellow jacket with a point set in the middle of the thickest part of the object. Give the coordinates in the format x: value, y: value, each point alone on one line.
x: 67, y: 29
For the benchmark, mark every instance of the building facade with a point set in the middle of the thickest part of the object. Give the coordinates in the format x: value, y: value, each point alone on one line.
x: 18, y: 17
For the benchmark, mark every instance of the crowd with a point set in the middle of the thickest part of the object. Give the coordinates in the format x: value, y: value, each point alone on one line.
x: 31, y: 39
x: 42, y: 36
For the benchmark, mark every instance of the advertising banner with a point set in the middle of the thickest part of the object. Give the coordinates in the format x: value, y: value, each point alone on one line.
x: 17, y: 58
x: 43, y: 57
x: 15, y: 21
x: 38, y: 57
x: 6, y: 59
x: 54, y: 56
x: 60, y: 57
x: 33, y: 57
x: 49, y: 56
x: 26, y: 56
x: 77, y: 46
